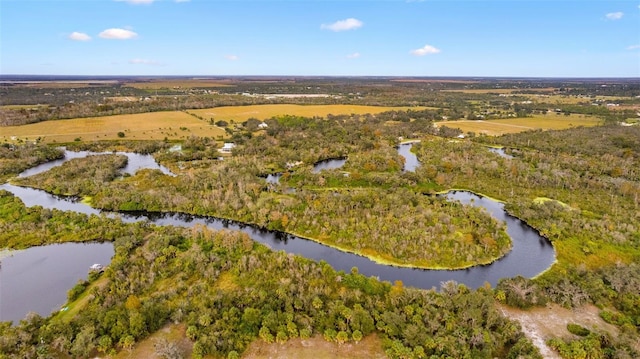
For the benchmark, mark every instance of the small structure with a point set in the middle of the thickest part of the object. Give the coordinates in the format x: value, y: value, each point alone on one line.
x: 262, y: 126
x: 97, y: 267
x: 292, y: 164
x: 228, y: 146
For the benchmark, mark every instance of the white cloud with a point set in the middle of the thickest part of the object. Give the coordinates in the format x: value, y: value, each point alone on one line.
x: 231, y: 57
x: 634, y: 47
x: 343, y: 25
x: 79, y: 36
x: 137, y: 2
x: 426, y: 50
x: 144, y: 62
x: 614, y: 15
x: 118, y: 34
x: 355, y: 55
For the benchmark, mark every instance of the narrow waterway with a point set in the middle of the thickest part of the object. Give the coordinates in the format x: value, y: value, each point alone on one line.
x: 330, y: 164
x: 530, y: 255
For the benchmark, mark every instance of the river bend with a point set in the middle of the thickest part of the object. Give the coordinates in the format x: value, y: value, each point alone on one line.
x: 530, y: 255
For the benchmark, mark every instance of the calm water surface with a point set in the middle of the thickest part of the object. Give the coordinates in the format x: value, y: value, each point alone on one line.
x: 330, y: 164
x: 530, y: 255
x: 410, y: 159
x: 37, y: 279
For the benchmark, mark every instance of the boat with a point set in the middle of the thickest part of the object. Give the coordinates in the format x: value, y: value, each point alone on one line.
x: 97, y: 267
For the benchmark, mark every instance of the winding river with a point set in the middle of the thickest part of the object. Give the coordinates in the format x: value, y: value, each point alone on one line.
x: 42, y: 288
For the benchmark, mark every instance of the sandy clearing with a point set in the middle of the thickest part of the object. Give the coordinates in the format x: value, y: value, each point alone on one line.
x: 541, y: 324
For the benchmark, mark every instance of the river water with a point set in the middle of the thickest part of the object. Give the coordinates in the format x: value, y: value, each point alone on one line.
x: 530, y: 255
x: 330, y: 164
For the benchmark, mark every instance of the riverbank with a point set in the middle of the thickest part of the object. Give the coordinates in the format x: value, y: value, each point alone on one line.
x: 389, y: 261
x: 6, y: 253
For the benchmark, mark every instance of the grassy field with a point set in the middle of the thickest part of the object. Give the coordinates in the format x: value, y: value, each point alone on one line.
x: 572, y: 100
x: 501, y: 90
x: 145, y: 349
x: 261, y: 112
x: 543, y: 122
x: 76, y: 306
x: 179, y: 83
x: 173, y: 125
x: 64, y: 84
x: 22, y: 107
x: 369, y: 348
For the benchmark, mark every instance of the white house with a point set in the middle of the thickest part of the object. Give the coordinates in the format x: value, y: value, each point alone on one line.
x: 263, y: 126
x: 228, y: 146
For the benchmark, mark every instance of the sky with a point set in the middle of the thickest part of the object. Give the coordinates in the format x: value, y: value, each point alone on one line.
x: 488, y: 38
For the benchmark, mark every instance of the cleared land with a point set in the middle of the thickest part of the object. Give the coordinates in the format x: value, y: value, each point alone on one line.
x: 22, y: 107
x: 317, y: 348
x: 261, y: 112
x: 369, y: 348
x: 62, y: 84
x: 573, y: 100
x: 502, y: 90
x: 180, y: 83
x: 145, y: 349
x: 541, y: 324
x: 500, y: 127
x: 173, y: 125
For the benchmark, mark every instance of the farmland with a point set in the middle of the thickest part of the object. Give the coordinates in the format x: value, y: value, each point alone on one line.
x: 182, y: 83
x: 171, y: 125
x: 543, y: 122
x: 243, y: 113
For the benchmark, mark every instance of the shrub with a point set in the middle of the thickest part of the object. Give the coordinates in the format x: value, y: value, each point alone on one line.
x: 77, y: 289
x: 578, y: 330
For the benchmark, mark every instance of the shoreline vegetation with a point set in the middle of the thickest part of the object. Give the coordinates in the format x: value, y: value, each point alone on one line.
x: 66, y: 180
x: 375, y: 257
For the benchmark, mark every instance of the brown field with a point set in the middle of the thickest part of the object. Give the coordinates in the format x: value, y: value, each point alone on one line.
x: 452, y: 81
x: 369, y: 348
x: 543, y: 122
x: 179, y: 83
x: 501, y: 90
x: 172, y: 333
x: 242, y: 113
x: 144, y: 126
x: 122, y: 99
x: 64, y: 84
x: 21, y: 107
x: 540, y: 324
x: 317, y: 348
x: 568, y: 99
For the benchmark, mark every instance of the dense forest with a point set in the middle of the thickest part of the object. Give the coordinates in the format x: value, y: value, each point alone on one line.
x: 230, y: 291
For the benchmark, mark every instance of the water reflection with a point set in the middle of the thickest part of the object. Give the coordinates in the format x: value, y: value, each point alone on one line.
x: 37, y: 279
x: 530, y: 255
x: 330, y: 164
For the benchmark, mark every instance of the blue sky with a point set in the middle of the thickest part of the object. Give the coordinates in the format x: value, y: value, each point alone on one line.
x: 543, y: 38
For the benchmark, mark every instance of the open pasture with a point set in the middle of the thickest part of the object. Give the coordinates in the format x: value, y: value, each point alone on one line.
x: 262, y: 112
x: 62, y: 84
x: 179, y: 83
x: 503, y: 90
x: 172, y: 125
x: 501, y: 127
